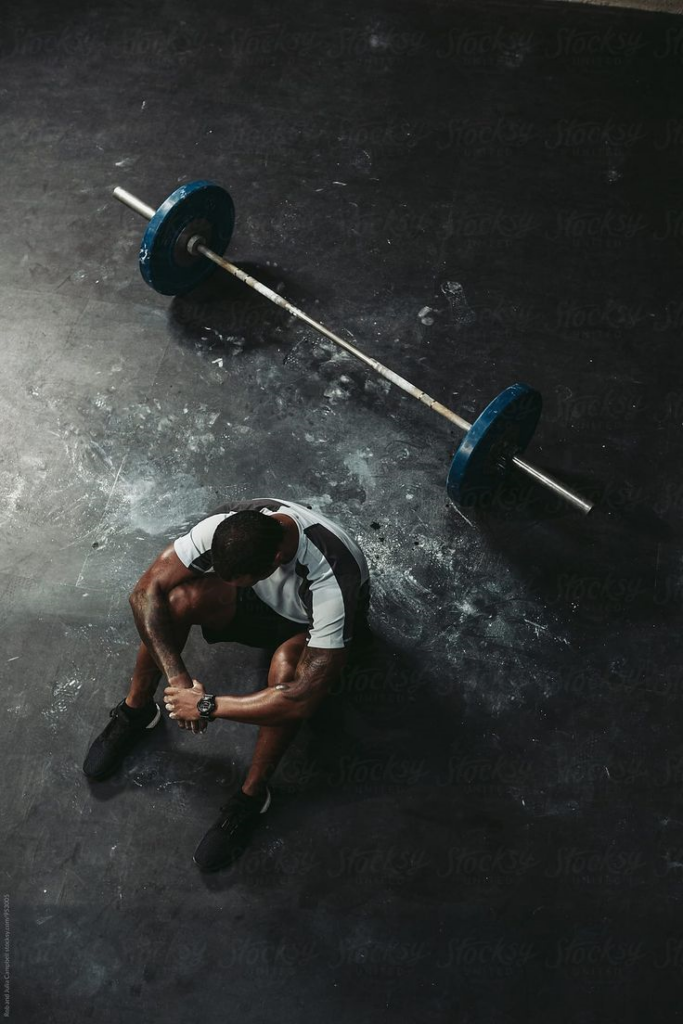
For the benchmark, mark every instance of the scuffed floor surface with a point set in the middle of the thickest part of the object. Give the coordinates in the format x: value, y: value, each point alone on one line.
x: 483, y: 825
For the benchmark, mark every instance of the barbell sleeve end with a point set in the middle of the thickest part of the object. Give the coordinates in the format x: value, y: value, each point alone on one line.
x: 582, y: 504
x: 133, y: 203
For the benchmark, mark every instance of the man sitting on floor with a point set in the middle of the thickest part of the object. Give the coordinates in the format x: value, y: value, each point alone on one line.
x: 266, y: 573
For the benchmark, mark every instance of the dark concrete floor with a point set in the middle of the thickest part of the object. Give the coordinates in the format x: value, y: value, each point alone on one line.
x: 485, y: 824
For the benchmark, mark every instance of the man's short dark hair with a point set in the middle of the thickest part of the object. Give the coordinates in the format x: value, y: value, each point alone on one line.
x: 245, y: 544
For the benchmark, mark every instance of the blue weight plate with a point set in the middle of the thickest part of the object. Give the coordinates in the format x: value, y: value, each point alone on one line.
x: 200, y: 208
x: 502, y: 431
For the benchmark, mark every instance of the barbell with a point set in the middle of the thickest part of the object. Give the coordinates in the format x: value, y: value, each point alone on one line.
x: 184, y: 243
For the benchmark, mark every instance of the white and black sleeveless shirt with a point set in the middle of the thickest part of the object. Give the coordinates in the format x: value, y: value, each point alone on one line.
x: 324, y: 585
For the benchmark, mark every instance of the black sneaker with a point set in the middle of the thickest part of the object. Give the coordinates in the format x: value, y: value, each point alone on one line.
x: 114, y: 742
x: 228, y: 837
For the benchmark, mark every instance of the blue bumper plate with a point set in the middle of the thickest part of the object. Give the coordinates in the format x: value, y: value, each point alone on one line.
x: 502, y: 431
x: 200, y: 208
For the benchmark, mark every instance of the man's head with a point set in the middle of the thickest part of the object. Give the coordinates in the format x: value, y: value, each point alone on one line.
x: 246, y: 548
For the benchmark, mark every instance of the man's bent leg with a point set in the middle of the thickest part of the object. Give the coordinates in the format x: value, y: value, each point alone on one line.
x: 273, y: 740
x: 229, y: 836
x: 208, y: 602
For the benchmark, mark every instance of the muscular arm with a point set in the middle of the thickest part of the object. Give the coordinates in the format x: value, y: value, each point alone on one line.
x: 149, y: 601
x: 292, y: 701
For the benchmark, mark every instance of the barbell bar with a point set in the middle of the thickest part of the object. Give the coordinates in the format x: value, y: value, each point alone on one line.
x: 184, y: 243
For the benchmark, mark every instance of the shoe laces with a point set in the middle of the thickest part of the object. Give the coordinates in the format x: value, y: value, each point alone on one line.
x: 119, y: 720
x: 239, y: 810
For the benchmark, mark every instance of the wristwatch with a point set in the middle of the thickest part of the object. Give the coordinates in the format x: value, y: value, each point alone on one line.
x: 206, y: 706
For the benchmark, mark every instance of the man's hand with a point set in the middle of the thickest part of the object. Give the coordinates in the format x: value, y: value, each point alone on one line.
x: 181, y: 704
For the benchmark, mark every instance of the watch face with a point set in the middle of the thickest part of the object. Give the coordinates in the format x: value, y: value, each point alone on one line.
x: 206, y: 705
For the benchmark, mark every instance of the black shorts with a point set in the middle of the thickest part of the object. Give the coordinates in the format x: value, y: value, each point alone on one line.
x: 255, y: 624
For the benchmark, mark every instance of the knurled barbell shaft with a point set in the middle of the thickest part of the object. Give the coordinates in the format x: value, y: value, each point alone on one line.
x: 378, y: 367
x: 526, y: 467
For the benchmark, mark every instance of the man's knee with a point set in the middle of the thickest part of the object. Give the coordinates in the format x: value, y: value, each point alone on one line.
x: 181, y: 602
x: 282, y: 667
x: 285, y: 660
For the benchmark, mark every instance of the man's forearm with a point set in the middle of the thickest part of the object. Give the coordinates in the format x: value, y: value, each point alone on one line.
x: 155, y: 626
x: 267, y: 707
x: 292, y: 700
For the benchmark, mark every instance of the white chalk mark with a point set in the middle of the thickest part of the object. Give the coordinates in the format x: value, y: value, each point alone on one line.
x: 113, y: 488
x: 462, y: 516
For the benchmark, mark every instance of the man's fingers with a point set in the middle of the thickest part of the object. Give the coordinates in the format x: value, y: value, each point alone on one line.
x: 194, y: 725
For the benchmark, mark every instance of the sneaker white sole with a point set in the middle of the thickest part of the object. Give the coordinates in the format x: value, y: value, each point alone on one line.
x: 155, y: 719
